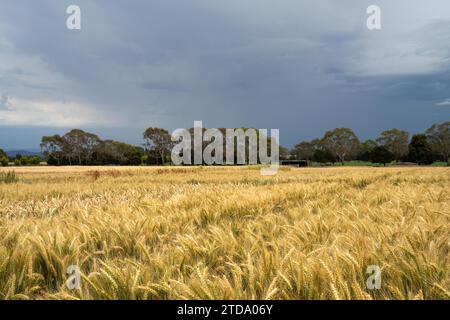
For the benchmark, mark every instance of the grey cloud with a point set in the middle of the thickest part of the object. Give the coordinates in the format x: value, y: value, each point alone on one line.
x: 446, y: 102
x: 299, y: 66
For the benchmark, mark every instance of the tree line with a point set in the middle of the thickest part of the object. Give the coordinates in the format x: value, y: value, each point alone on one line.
x: 19, y: 160
x: 342, y: 144
x: 78, y: 147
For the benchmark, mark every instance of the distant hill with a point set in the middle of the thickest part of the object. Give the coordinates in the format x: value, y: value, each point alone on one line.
x: 26, y: 153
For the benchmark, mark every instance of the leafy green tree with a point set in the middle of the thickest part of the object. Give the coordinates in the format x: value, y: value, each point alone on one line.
x: 284, y: 153
x: 304, y: 150
x: 420, y: 150
x: 366, y: 150
x: 381, y: 154
x: 439, y: 138
x: 152, y: 158
x: 3, y: 158
x: 24, y: 161
x: 323, y: 156
x: 27, y: 161
x: 87, y: 148
x: 53, y: 148
x: 81, y: 145
x: 395, y: 141
x: 4, y: 161
x: 34, y: 161
x: 342, y: 143
x: 120, y: 153
x: 158, y: 140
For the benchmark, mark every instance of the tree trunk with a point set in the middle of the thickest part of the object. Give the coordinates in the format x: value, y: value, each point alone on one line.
x: 161, y: 154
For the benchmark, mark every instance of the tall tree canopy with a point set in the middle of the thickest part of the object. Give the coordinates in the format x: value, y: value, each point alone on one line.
x: 366, y: 149
x: 420, y: 150
x: 119, y: 153
x: 380, y: 154
x: 439, y: 138
x: 304, y: 150
x: 54, y: 147
x: 82, y: 144
x: 342, y: 143
x: 395, y: 141
x: 158, y: 140
x: 3, y: 158
x: 83, y: 148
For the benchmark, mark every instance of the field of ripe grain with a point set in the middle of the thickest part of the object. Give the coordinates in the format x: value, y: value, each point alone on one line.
x: 225, y: 233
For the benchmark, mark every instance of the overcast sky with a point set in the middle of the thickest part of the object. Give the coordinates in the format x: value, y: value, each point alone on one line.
x: 301, y: 66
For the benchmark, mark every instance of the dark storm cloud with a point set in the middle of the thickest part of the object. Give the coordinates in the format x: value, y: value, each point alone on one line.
x: 300, y: 66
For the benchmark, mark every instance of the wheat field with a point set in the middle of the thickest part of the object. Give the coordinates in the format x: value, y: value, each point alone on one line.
x: 225, y: 233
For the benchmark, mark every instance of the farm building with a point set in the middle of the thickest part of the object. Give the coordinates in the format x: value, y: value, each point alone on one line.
x: 295, y: 163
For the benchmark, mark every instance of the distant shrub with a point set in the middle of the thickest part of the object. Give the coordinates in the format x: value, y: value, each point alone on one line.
x: 8, y: 177
x: 375, y: 164
x: 439, y: 164
x: 34, y: 161
x: 404, y: 164
x: 358, y: 163
x: 354, y: 163
x: 27, y: 161
x: 4, y: 161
